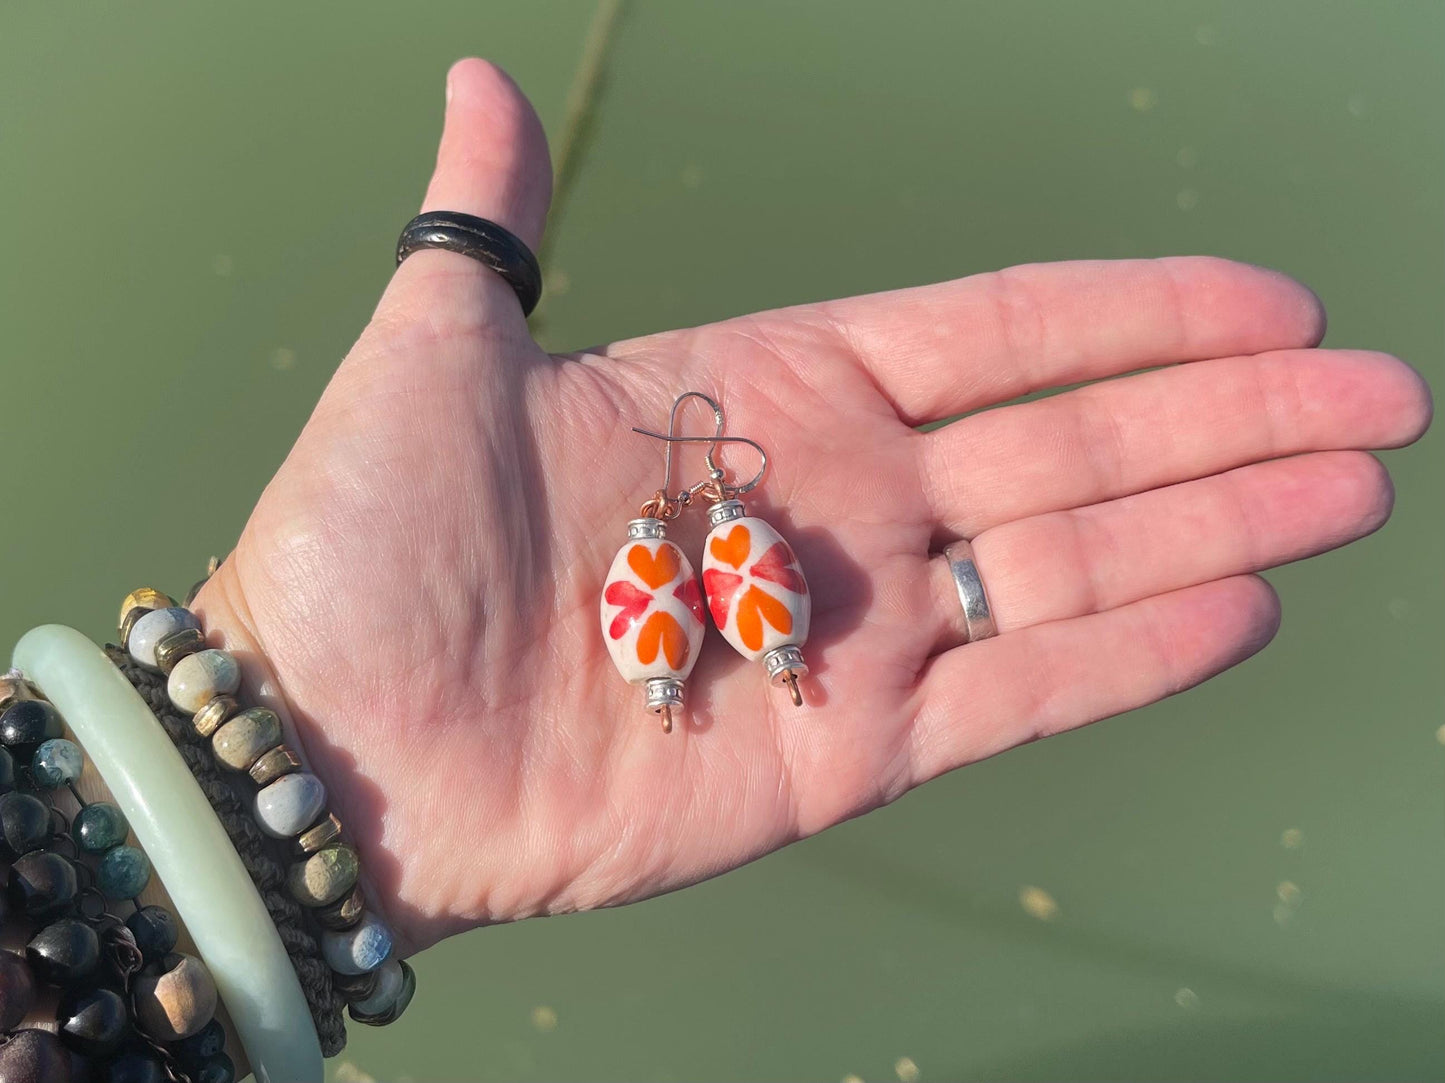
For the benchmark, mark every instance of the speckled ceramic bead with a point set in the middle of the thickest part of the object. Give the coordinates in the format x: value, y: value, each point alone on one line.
x: 124, y: 872
x: 325, y: 876
x: 34, y: 1056
x: 240, y: 742
x: 365, y: 946
x: 99, y: 826
x: 385, y: 990
x: 199, y: 678
x: 155, y: 931
x: 56, y: 763
x: 148, y: 631
x: 290, y: 805
x: 64, y: 953
x: 177, y: 1002
x: 398, y: 1005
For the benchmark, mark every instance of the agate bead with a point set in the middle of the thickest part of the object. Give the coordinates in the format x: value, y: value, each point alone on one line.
x: 99, y: 826
x: 148, y: 631
x: 325, y: 876
x: 200, y: 678
x: 290, y: 805
x: 57, y: 762
x: 17, y: 990
x: 363, y: 947
x: 124, y: 872
x: 177, y: 1002
x: 241, y: 741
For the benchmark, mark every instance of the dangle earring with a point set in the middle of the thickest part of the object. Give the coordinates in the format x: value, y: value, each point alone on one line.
x: 652, y: 617
x: 754, y: 584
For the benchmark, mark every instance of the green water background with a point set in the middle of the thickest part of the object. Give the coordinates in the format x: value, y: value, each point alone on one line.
x: 197, y: 207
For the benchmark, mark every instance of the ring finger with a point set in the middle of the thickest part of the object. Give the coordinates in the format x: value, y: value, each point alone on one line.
x: 1071, y: 563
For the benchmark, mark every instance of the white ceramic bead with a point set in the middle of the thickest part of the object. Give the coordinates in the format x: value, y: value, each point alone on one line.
x: 359, y: 949
x: 290, y: 805
x: 755, y: 588
x: 149, y: 630
x: 390, y: 980
x: 200, y: 678
x: 652, y: 618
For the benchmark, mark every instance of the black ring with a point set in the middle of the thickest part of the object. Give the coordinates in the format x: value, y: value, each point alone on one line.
x: 484, y: 241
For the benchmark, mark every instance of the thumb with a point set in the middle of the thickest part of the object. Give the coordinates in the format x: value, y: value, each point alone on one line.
x: 492, y: 162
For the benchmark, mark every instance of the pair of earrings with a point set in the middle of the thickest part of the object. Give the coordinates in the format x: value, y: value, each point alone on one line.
x: 652, y: 607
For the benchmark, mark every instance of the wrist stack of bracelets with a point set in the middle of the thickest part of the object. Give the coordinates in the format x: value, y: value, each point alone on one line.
x: 128, y: 1008
x: 238, y: 832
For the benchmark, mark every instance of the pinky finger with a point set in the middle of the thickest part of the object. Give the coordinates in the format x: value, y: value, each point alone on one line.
x: 982, y: 698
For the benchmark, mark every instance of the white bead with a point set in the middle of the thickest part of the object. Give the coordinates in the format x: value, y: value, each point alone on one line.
x: 290, y: 805
x: 200, y: 678
x: 652, y: 617
x: 389, y: 983
x: 149, y: 630
x: 755, y: 587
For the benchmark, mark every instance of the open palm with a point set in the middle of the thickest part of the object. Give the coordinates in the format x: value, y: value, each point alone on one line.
x: 422, y: 575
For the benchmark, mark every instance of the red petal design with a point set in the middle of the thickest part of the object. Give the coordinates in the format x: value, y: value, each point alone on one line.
x: 690, y: 594
x: 720, y: 586
x: 634, y: 603
x: 781, y: 566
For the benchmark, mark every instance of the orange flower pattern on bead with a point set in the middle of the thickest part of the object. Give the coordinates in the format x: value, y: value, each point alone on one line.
x: 652, y: 611
x: 762, y: 605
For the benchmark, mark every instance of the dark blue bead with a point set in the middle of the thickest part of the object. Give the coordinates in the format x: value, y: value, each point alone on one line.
x: 41, y: 885
x: 155, y: 932
x: 7, y: 771
x: 64, y: 953
x: 24, y: 825
x: 135, y: 1067
x: 218, y: 1069
x: 25, y: 724
x: 93, y: 1021
x: 200, y: 1046
x: 124, y: 872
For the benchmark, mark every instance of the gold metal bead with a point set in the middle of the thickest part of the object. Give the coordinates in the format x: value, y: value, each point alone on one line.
x: 179, y: 645
x: 321, y: 835
x: 343, y: 914
x: 272, y: 765
x: 209, y: 718
x: 144, y: 599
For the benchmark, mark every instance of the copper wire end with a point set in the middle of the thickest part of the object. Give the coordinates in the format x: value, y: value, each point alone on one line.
x: 791, y: 680
x: 666, y: 713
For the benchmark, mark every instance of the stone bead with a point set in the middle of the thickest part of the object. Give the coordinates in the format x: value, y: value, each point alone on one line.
x: 148, y: 631
x: 92, y: 1021
x: 135, y: 1066
x: 155, y: 931
x: 177, y: 1002
x: 240, y: 742
x: 99, y: 826
x: 64, y: 953
x: 7, y: 771
x: 755, y: 587
x: 365, y: 946
x: 399, y: 1005
x: 124, y: 872
x: 218, y: 1069
x: 290, y: 805
x: 34, y: 1056
x: 384, y: 993
x: 41, y: 885
x: 325, y: 876
x: 24, y: 825
x: 202, y: 1045
x: 17, y: 990
x: 200, y: 678
x: 652, y: 615
x: 56, y: 763
x: 25, y: 724
x: 344, y: 913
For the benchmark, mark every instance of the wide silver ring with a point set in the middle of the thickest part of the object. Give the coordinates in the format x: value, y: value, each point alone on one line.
x: 977, y: 617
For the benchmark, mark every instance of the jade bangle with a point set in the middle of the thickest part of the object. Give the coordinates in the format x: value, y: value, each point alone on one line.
x: 188, y: 847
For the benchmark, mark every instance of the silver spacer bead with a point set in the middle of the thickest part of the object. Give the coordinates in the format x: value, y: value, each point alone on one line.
x: 780, y: 660
x: 663, y: 692
x: 646, y: 528
x: 724, y: 511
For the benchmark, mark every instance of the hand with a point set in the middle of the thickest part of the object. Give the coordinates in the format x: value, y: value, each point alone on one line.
x: 423, y: 572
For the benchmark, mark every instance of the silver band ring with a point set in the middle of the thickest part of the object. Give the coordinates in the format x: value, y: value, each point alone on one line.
x: 977, y: 617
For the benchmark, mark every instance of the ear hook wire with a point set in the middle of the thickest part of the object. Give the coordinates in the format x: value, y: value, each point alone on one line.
x: 715, y: 485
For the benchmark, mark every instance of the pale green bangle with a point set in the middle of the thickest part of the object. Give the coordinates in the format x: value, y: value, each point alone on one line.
x: 188, y: 847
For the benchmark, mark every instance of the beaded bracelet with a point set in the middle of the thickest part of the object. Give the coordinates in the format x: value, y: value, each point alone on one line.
x: 289, y: 802
x: 130, y: 1006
